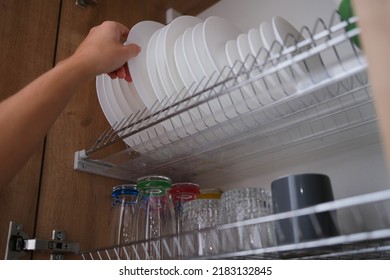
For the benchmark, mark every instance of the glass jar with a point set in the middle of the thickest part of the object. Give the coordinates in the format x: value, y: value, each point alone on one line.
x: 155, y: 217
x: 181, y: 193
x: 123, y: 229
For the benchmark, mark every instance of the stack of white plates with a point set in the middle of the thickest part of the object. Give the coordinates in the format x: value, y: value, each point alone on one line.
x: 177, y: 57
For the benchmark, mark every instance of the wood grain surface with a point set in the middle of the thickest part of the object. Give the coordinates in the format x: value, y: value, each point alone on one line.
x: 28, y: 33
x: 48, y: 194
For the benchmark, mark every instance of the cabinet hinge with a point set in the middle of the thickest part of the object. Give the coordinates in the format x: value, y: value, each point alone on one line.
x: 19, y: 244
x: 83, y: 3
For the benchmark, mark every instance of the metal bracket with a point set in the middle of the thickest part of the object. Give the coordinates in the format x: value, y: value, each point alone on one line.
x: 171, y: 14
x: 83, y: 3
x: 19, y: 244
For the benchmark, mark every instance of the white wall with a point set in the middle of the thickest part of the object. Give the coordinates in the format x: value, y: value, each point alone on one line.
x: 250, y: 13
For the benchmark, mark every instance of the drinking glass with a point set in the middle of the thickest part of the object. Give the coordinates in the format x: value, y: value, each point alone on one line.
x: 124, y: 200
x: 200, y: 221
x: 155, y: 218
x: 243, y: 204
x: 181, y: 193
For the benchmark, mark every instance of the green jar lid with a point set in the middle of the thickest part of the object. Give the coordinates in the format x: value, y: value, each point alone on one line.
x: 154, y: 185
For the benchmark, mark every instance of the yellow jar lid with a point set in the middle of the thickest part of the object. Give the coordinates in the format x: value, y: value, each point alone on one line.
x: 214, y: 193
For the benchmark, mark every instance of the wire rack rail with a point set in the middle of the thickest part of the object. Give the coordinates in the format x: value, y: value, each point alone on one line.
x: 362, y: 221
x: 294, y: 93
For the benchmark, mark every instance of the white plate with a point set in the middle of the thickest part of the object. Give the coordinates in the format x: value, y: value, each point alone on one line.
x: 283, y: 82
x: 116, y: 110
x: 119, y: 96
x: 151, y: 65
x: 166, y: 81
x: 246, y: 56
x: 119, y: 115
x: 176, y: 28
x: 121, y: 109
x: 216, y: 32
x: 236, y: 61
x: 288, y: 35
x: 182, y: 64
x: 131, y: 96
x: 191, y: 69
x: 101, y: 94
x: 183, y: 44
x: 267, y: 35
x: 137, y: 108
x: 246, y: 92
x: 192, y: 45
x: 162, y: 68
x: 140, y: 34
x: 209, y: 45
x: 255, y: 43
x: 205, y: 65
x: 244, y: 50
x: 133, y: 100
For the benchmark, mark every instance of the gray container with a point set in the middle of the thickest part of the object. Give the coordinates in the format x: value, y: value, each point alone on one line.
x: 299, y: 191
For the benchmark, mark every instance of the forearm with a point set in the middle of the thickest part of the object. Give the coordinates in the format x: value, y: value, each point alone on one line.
x: 374, y: 21
x: 26, y: 117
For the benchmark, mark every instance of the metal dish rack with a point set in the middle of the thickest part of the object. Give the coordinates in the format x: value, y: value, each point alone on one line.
x: 363, y: 222
x: 226, y: 120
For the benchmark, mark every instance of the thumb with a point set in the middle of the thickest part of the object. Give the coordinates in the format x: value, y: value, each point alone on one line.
x: 132, y: 50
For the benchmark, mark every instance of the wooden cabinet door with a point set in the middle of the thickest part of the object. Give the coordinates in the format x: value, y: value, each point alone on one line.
x: 77, y: 202
x: 48, y: 194
x: 28, y: 36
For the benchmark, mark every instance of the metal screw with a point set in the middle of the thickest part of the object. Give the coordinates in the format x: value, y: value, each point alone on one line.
x: 58, y: 256
x: 81, y: 3
x: 59, y: 235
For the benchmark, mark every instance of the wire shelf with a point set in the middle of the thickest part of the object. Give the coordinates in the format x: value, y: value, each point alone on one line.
x: 293, y: 94
x: 362, y: 221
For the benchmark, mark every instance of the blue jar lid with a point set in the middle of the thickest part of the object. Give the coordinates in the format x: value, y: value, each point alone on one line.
x: 125, y: 189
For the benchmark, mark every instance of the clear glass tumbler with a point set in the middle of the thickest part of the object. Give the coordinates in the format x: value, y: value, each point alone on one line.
x: 123, y: 223
x: 182, y: 193
x: 155, y: 218
x: 244, y: 204
x: 200, y: 221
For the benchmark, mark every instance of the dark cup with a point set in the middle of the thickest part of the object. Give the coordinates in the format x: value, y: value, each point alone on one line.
x: 299, y: 191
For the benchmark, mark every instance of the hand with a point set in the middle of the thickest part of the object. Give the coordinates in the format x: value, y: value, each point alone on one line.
x: 104, y: 51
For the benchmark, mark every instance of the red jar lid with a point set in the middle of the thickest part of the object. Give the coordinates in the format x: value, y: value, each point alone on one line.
x: 184, y: 191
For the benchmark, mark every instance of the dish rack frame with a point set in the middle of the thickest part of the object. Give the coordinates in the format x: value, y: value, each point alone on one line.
x: 225, y: 119
x: 359, y: 238
x: 332, y: 107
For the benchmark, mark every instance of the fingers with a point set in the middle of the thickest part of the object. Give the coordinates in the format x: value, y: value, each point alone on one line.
x: 132, y: 50
x: 128, y: 76
x: 121, y: 73
x: 115, y: 26
x: 122, y: 52
x: 123, y: 30
x: 112, y: 75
